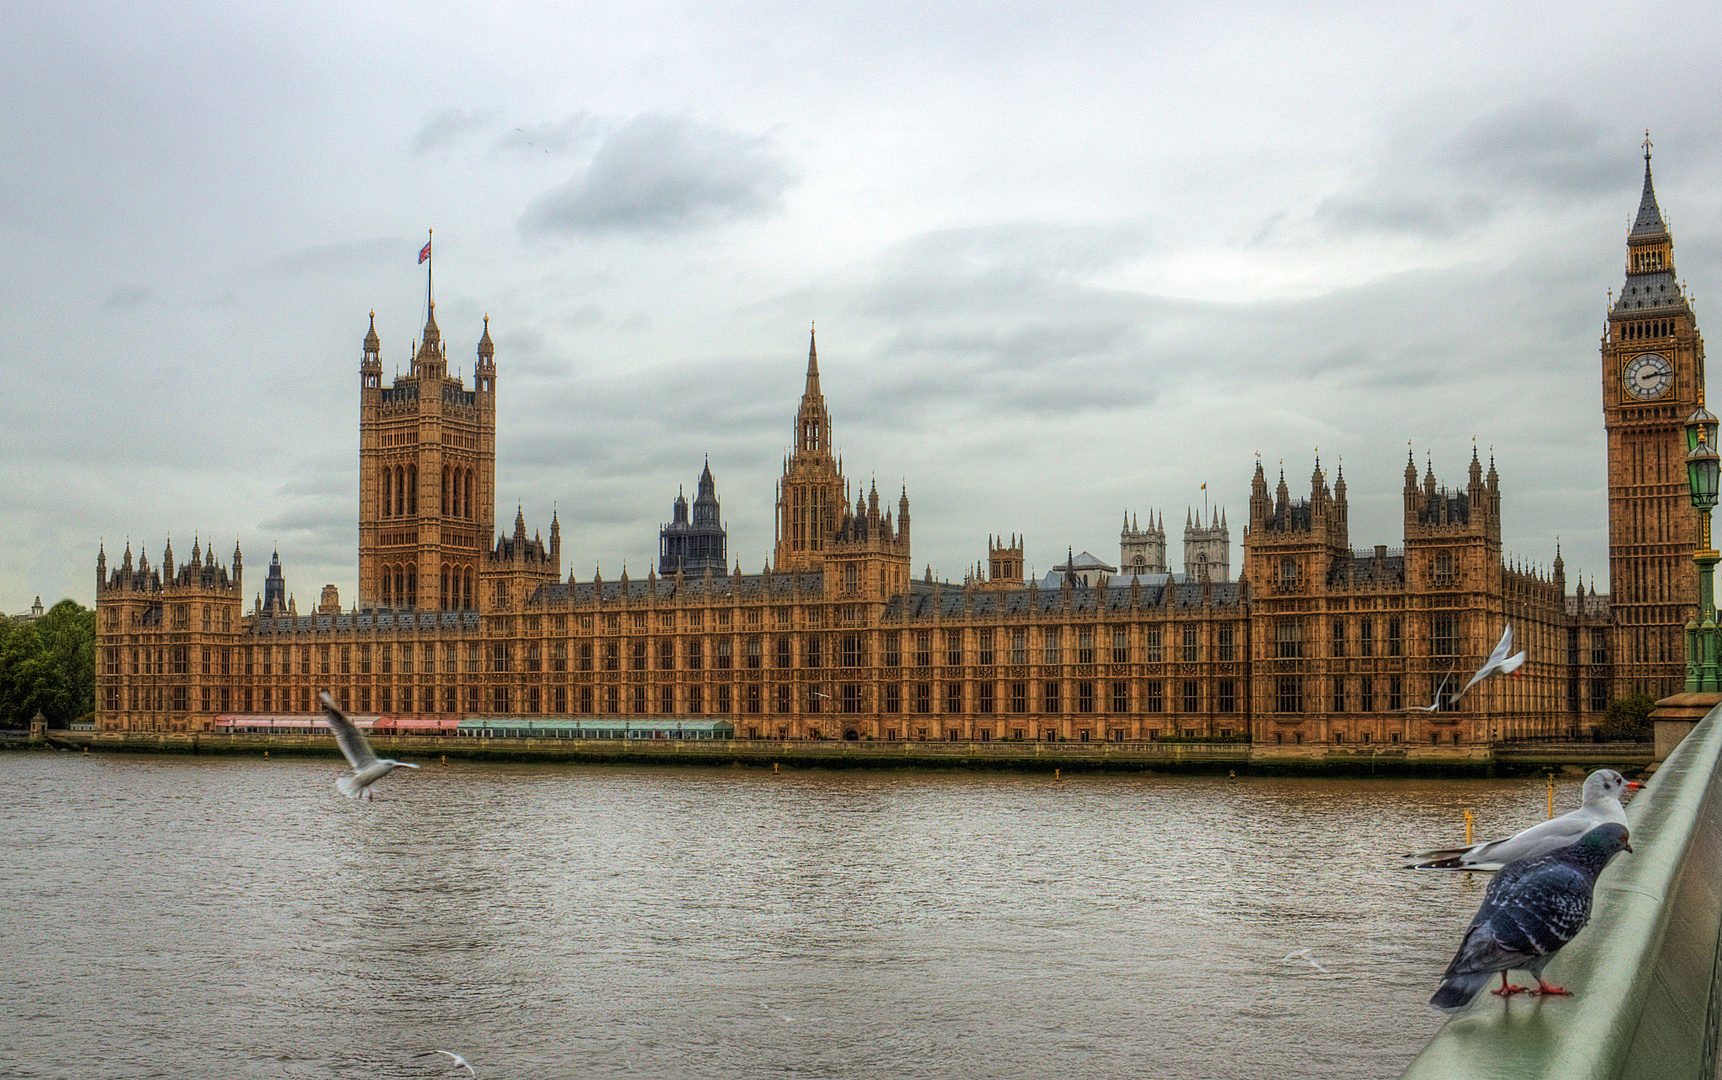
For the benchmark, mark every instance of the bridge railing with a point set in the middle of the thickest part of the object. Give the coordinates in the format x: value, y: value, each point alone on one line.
x: 1644, y: 974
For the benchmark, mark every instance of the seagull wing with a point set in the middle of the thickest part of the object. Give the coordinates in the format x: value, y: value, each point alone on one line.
x: 1502, y: 649
x: 1512, y: 663
x: 350, y: 738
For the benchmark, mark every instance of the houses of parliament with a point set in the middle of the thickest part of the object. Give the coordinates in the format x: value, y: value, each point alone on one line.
x: 1315, y: 640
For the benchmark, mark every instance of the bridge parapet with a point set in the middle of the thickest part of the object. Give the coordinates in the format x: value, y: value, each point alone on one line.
x: 1645, y: 973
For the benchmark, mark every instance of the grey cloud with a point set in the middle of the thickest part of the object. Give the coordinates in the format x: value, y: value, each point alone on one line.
x: 1438, y: 187
x: 128, y: 296
x: 442, y: 128
x: 553, y: 137
x: 346, y: 255
x: 664, y: 174
x: 1545, y: 145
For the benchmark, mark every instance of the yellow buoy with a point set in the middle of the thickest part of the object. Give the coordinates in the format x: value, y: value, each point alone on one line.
x: 1467, y: 828
x: 1058, y: 774
x: 774, y: 768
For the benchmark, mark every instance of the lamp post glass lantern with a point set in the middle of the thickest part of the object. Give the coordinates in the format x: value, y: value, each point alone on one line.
x: 1703, y: 465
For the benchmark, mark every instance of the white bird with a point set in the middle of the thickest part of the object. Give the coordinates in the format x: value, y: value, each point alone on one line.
x: 1601, y: 805
x: 367, y: 767
x: 1498, y: 662
x: 459, y: 1062
x: 1436, y: 705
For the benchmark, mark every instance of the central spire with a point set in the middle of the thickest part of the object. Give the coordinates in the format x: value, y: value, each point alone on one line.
x: 1649, y: 219
x: 812, y: 390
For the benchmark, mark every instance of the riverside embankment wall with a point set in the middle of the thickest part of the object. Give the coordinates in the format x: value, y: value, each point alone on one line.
x: 1163, y: 756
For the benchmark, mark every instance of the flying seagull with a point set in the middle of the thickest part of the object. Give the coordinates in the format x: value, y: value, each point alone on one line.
x: 1498, y: 662
x: 1601, y: 805
x: 1530, y: 910
x: 1437, y: 703
x: 367, y: 767
x: 458, y: 1061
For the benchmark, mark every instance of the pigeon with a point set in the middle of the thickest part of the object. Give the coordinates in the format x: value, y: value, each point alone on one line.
x: 458, y: 1061
x: 367, y: 767
x: 1437, y: 702
x: 1601, y: 804
x: 1529, y: 911
x: 1498, y: 661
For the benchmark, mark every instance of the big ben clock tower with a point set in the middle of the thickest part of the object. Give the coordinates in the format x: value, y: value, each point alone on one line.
x: 1652, y: 378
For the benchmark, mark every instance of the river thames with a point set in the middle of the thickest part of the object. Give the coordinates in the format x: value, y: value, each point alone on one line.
x: 223, y: 917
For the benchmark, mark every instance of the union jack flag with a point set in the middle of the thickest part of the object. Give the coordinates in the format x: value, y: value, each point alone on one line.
x: 424, y: 252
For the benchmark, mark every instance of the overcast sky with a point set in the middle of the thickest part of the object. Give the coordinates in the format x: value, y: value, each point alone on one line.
x: 1065, y: 259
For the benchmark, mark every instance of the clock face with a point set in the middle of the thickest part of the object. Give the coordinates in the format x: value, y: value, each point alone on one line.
x: 1648, y: 376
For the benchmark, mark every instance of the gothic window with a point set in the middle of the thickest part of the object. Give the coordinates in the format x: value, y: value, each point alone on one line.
x: 1288, y: 574
x: 412, y: 489
x: 1050, y: 638
x: 984, y: 697
x: 637, y: 661
x: 954, y: 698
x: 1049, y: 696
x: 893, y: 649
x: 1085, y: 646
x: 851, y: 650
x: 1289, y: 695
x: 1288, y: 636
x: 1120, y: 647
x: 1018, y: 697
x: 1151, y: 645
x: 753, y: 653
x: 1339, y: 639
x: 953, y: 648
x: 1227, y: 645
x: 1446, y: 635
x: 1192, y: 648
x: 1443, y: 568
x: 893, y: 698
x: 923, y: 697
x: 1120, y: 696
x: 1085, y: 696
x: 984, y: 647
x: 815, y: 652
x: 1226, y: 696
x: 1192, y: 694
x: 784, y: 654
x: 388, y: 486
x: 1366, y: 639
x: 612, y: 657
x: 1395, y: 693
x: 851, y: 697
x: 1018, y: 647
x: 721, y: 652
x: 1395, y: 639
x: 923, y: 648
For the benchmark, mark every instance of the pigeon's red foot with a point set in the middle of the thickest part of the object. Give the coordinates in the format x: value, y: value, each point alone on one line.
x: 1507, y: 989
x: 1551, y: 988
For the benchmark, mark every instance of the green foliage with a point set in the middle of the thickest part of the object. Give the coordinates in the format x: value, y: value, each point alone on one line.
x: 48, y: 666
x: 1627, y: 718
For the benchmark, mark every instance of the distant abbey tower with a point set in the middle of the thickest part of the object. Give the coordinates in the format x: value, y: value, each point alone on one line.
x: 1207, y: 548
x: 427, y: 476
x: 1142, y: 551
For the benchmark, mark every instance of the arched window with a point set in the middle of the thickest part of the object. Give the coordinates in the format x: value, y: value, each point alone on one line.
x: 412, y: 489
x: 445, y: 496
x: 412, y: 586
x: 387, y: 591
x: 466, y: 496
x: 1288, y: 573
x: 400, y: 586
x: 442, y: 597
x: 400, y: 491
x: 388, y: 493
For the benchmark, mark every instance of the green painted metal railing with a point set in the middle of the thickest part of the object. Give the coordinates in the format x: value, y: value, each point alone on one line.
x: 1646, y: 974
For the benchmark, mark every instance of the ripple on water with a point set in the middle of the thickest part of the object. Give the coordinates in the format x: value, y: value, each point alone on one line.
x: 235, y: 918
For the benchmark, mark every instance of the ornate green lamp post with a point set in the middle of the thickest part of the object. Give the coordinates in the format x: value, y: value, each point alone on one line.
x: 1702, y: 467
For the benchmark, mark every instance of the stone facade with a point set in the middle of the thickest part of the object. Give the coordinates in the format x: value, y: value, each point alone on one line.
x: 1315, y: 642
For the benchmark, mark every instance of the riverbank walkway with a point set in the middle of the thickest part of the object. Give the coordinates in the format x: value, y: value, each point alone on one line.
x: 1646, y: 974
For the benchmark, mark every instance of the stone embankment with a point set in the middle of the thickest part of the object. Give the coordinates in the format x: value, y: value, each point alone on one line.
x: 1164, y: 756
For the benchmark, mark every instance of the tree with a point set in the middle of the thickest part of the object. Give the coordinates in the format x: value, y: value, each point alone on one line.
x: 1627, y: 718
x: 48, y: 666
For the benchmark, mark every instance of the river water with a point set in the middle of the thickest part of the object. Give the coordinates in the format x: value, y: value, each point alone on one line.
x: 223, y: 917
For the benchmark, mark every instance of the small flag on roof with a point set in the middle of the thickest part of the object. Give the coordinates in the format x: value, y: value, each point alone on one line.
x: 424, y: 252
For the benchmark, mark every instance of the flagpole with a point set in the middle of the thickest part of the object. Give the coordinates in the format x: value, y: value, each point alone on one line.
x: 429, y: 263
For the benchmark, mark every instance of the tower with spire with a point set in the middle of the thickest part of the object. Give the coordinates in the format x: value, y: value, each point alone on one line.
x: 1142, y: 551
x: 812, y: 496
x: 1653, y: 378
x: 427, y: 474
x: 697, y: 545
x: 1207, y: 546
